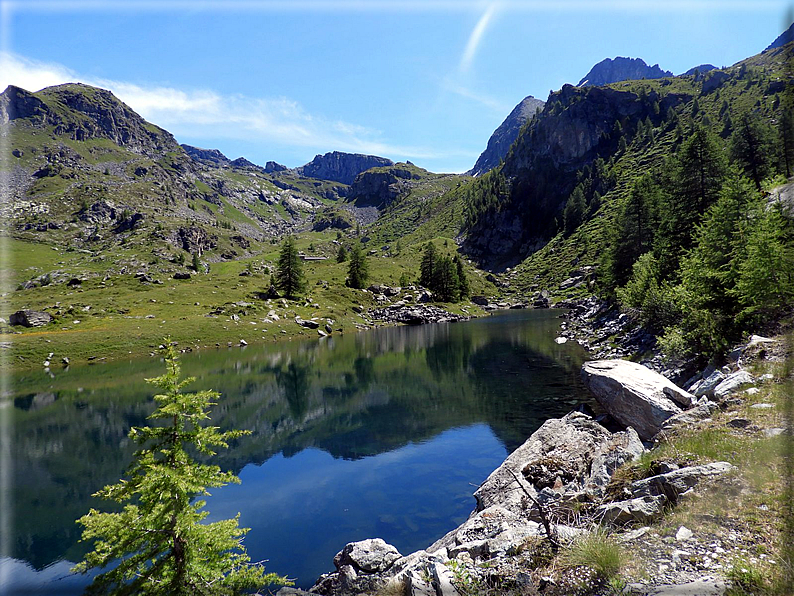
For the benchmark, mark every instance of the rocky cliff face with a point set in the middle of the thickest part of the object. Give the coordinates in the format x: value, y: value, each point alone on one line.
x: 207, y: 156
x: 506, y: 134
x: 341, y: 167
x: 379, y: 187
x: 82, y: 112
x: 786, y: 37
x: 622, y: 69
x: 574, y: 129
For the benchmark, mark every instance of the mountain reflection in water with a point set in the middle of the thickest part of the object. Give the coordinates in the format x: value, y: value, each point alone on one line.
x: 383, y: 433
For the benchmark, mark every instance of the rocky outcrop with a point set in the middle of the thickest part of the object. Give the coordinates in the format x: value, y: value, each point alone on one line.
x: 272, y: 166
x: 379, y: 187
x: 540, y: 171
x: 211, y: 157
x: 618, y: 69
x: 414, y: 314
x: 195, y: 239
x: 699, y: 70
x: 30, y: 318
x: 786, y: 37
x: 504, y: 136
x: 341, y: 167
x: 635, y: 395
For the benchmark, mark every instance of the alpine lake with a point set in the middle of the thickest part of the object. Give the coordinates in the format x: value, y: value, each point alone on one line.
x: 384, y: 433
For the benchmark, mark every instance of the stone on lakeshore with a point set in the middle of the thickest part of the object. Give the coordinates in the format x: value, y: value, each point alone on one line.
x: 372, y: 555
x: 634, y: 395
x: 30, y: 318
x: 705, y: 586
x: 706, y: 386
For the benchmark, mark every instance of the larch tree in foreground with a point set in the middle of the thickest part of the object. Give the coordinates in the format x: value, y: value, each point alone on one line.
x: 157, y: 544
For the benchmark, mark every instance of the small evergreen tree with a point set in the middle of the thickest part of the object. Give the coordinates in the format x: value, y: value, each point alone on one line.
x: 574, y: 211
x: 404, y: 280
x: 445, y: 284
x: 786, y: 134
x: 341, y: 254
x: 428, y: 265
x: 357, y: 268
x: 463, y: 282
x: 289, y: 270
x: 196, y: 262
x: 157, y: 540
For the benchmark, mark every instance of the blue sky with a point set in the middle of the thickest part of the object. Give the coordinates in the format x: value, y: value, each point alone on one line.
x: 427, y: 80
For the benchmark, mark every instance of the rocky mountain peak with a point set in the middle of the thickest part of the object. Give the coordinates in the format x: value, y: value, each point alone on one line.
x: 506, y: 134
x: 341, y: 167
x: 82, y: 112
x: 618, y: 69
x: 786, y: 37
x: 206, y: 156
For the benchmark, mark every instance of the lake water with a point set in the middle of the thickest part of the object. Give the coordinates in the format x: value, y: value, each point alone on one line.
x: 385, y: 433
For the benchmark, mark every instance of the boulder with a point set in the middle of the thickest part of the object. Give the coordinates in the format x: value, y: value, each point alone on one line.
x: 480, y: 300
x: 642, y: 510
x: 706, y: 386
x: 691, y: 416
x: 30, y: 318
x: 732, y: 383
x: 372, y: 555
x: 634, y: 395
x: 181, y: 275
x: 672, y: 484
x: 308, y: 324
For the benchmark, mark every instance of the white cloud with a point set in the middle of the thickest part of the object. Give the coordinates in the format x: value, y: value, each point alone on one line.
x: 206, y: 114
x: 476, y: 37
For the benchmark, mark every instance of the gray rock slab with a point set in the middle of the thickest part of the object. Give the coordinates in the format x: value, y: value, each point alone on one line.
x: 733, y: 382
x: 372, y: 555
x: 702, y: 587
x: 634, y: 395
x: 672, y: 484
x: 640, y: 510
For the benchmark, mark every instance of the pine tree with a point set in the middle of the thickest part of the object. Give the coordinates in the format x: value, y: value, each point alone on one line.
x: 357, y: 268
x: 574, y: 211
x: 446, y: 284
x: 786, y: 134
x: 752, y: 147
x: 158, y: 543
x: 196, y: 262
x: 696, y: 175
x: 463, y: 281
x: 428, y: 266
x: 341, y: 254
x: 289, y: 270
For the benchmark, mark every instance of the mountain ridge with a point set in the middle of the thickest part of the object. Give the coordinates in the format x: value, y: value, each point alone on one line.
x: 614, y: 70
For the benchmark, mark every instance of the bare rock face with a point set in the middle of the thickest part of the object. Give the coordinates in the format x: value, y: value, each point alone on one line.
x: 634, y: 395
x: 30, y: 318
x: 622, y: 69
x: 341, y: 167
x: 506, y: 134
x: 572, y: 453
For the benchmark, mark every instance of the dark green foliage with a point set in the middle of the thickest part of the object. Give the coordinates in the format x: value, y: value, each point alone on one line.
x: 289, y: 271
x: 633, y: 231
x: 695, y: 179
x: 463, y: 281
x: 484, y: 195
x: 574, y: 211
x: 444, y: 276
x: 446, y: 285
x: 341, y: 254
x: 357, y: 268
x: 157, y: 541
x: 786, y: 139
x: 428, y: 266
x: 752, y: 147
x: 196, y: 262
x: 404, y: 280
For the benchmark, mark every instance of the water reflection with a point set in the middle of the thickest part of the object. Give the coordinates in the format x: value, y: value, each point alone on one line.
x: 418, y: 413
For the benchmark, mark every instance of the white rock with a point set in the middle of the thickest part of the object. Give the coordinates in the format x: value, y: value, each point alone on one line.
x: 732, y: 383
x: 634, y: 395
x: 683, y: 533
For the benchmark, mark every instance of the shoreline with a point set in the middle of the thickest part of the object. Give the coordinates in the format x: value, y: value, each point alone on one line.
x: 484, y: 556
